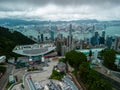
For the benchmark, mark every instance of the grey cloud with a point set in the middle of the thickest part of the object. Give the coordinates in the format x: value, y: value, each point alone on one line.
x: 7, y: 5
x: 26, y: 6
x: 62, y: 2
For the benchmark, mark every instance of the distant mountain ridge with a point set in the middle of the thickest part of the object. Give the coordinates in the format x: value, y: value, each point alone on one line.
x: 18, y: 22
x: 25, y: 22
x: 13, y: 22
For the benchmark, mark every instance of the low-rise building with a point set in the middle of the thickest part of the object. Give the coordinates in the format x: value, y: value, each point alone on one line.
x: 61, y: 67
x: 11, y: 79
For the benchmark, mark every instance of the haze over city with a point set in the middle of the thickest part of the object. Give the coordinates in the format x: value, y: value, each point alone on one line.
x: 60, y: 9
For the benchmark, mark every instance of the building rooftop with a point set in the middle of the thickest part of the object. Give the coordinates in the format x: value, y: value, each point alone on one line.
x: 34, y: 50
x: 86, y: 51
x: 61, y: 66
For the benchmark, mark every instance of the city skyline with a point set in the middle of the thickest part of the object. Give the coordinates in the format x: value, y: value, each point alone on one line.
x: 60, y: 9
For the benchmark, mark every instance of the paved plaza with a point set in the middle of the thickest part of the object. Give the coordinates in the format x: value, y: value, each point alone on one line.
x: 38, y: 77
x: 46, y: 74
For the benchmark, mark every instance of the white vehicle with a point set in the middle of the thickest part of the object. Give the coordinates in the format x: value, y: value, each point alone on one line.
x: 2, y: 59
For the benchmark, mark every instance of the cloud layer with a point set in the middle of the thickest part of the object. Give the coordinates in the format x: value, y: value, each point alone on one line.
x: 60, y: 9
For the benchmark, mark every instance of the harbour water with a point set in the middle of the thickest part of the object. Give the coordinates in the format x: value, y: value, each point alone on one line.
x: 110, y: 31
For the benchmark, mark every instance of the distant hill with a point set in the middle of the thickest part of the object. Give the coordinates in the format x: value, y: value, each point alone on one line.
x: 13, y: 22
x: 8, y: 40
x: 36, y: 22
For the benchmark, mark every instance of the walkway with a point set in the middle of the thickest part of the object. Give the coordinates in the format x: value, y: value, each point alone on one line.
x: 108, y: 75
x: 79, y: 85
x: 107, y: 72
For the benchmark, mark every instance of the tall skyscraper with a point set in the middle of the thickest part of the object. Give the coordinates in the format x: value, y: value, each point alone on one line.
x: 93, y: 30
x: 59, y: 46
x: 96, y: 34
x: 103, y: 33
x: 60, y: 36
x: 63, y: 50
x: 51, y: 32
x: 109, y: 41
x: 52, y: 35
x: 70, y: 30
x: 42, y: 38
x: 70, y: 39
x: 102, y: 38
x: 95, y: 39
x: 116, y: 46
x: 105, y: 26
x: 39, y: 39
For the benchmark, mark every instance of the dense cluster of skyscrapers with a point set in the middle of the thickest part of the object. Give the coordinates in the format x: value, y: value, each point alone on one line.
x: 98, y: 40
x: 65, y: 44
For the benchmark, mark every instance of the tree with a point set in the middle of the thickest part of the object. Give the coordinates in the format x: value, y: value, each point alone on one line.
x: 84, y: 71
x: 57, y: 75
x: 2, y: 69
x: 75, y: 58
x: 90, y: 54
x: 100, y: 85
x: 91, y: 78
x: 22, y: 86
x: 62, y: 60
x: 109, y: 58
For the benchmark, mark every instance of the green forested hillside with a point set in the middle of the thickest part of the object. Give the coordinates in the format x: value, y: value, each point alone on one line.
x: 8, y: 40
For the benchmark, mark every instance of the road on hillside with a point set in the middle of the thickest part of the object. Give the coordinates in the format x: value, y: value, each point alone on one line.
x: 4, y: 78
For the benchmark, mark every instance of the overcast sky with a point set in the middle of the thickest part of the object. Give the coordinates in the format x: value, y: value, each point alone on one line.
x: 60, y: 9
